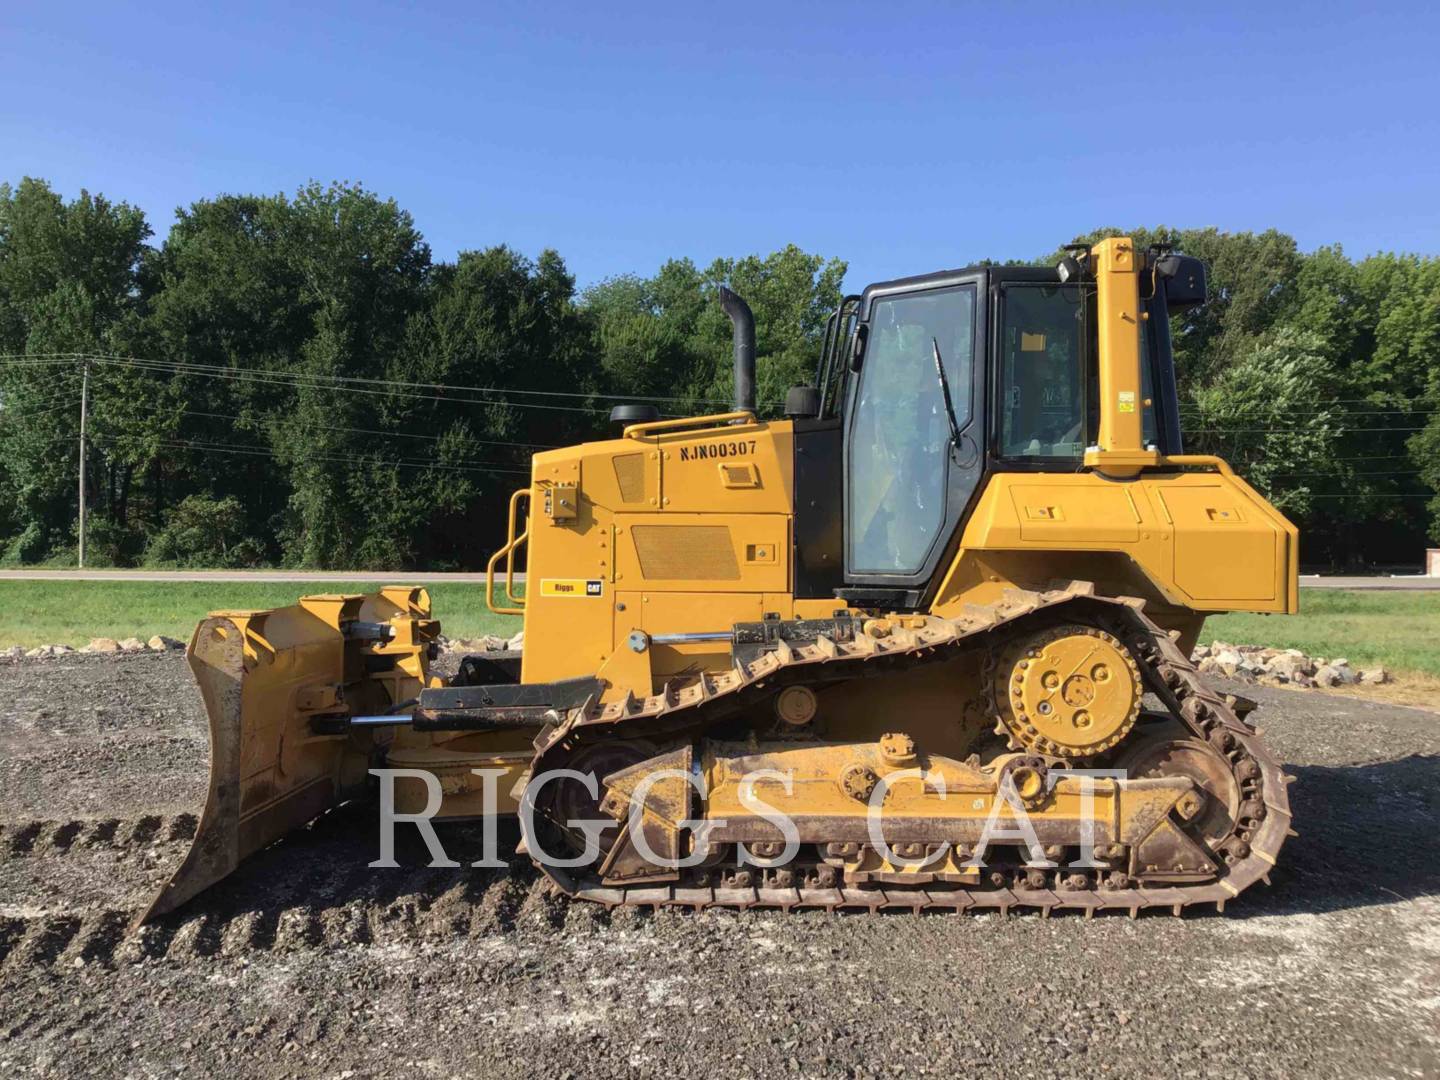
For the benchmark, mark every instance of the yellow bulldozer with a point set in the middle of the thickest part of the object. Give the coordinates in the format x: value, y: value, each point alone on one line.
x: 924, y: 643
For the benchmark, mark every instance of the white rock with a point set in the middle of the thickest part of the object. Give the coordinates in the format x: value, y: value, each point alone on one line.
x: 36, y: 653
x: 161, y: 643
x: 1344, y: 672
x: 517, y: 642
x: 1374, y: 676
x: 14, y: 652
x: 102, y: 645
x: 132, y: 644
x: 1200, y: 653
x: 1228, y: 657
x: 1327, y: 676
x: 1287, y: 666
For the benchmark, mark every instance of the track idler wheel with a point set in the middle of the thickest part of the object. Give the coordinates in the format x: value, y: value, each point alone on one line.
x: 1069, y: 691
x: 1216, y: 805
x: 567, y: 799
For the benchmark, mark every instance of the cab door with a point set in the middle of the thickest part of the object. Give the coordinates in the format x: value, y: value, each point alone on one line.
x: 908, y: 478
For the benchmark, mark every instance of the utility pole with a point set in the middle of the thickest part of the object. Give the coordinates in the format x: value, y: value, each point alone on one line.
x: 84, y: 403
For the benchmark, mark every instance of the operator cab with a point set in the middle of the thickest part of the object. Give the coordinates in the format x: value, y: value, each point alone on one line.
x: 927, y: 385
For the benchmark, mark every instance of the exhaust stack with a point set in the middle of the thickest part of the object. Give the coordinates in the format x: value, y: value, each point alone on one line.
x: 743, y: 321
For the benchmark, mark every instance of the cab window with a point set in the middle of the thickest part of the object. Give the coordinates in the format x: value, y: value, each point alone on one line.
x: 1043, y: 379
x: 1149, y: 433
x: 899, y: 433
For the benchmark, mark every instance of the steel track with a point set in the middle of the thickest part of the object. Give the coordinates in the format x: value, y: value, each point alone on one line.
x: 1168, y: 673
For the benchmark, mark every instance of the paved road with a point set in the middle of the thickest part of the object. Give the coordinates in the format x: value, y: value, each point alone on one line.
x: 401, y: 577
x: 397, y: 577
x: 1406, y: 581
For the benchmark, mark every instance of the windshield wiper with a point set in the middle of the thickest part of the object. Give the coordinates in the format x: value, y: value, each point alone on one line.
x: 945, y: 392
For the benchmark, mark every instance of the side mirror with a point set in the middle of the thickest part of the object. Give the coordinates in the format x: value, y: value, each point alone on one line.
x: 1183, y: 279
x: 857, y: 346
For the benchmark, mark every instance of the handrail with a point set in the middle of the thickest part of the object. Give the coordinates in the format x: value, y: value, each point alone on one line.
x: 512, y: 542
x: 1221, y: 465
x: 523, y: 493
x: 636, y: 431
x: 1136, y: 460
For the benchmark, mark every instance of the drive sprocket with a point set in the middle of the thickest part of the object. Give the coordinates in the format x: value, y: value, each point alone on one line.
x: 1069, y: 691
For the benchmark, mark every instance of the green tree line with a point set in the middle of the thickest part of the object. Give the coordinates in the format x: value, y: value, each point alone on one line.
x: 294, y: 380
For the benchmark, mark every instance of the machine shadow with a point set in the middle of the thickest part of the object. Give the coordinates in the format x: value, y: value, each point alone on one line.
x: 324, y: 869
x: 1368, y: 836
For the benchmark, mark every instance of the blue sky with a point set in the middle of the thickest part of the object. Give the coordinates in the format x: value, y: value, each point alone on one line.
x: 902, y: 138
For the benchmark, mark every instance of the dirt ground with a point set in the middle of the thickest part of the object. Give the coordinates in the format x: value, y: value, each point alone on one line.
x: 307, y: 963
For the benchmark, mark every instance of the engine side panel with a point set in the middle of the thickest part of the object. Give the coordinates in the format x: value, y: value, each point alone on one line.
x: 671, y: 531
x: 1190, y: 541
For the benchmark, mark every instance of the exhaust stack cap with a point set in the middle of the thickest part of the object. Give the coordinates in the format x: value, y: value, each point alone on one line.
x: 802, y: 402
x: 634, y: 414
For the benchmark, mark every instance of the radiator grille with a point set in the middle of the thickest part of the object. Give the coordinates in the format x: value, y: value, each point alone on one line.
x: 685, y: 552
x: 630, y: 475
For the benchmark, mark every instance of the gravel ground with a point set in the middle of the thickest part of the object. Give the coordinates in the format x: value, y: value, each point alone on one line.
x: 308, y: 963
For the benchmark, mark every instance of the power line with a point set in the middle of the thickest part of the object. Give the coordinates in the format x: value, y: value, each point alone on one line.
x: 20, y: 414
x: 374, y: 431
x: 208, y: 444
x: 1340, y: 414
x: 22, y: 360
x: 1333, y: 407
x: 196, y: 368
x: 299, y: 381
x: 220, y: 448
x: 1308, y: 475
x: 46, y: 397
x: 70, y: 399
x: 297, y: 376
x: 253, y: 379
x: 277, y: 421
x: 1325, y: 408
x: 475, y: 465
x: 1340, y: 429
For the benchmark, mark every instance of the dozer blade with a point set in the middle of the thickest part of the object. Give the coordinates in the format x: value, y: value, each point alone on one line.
x: 280, y: 688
